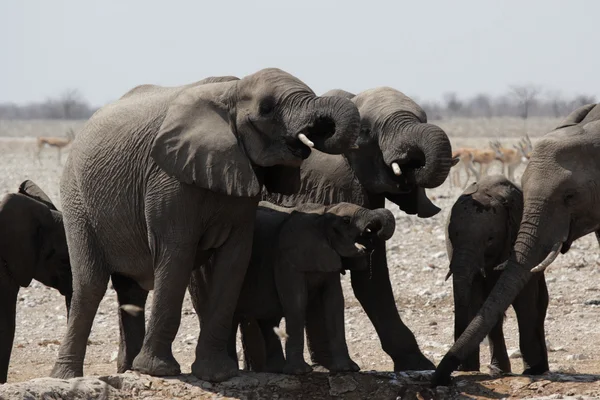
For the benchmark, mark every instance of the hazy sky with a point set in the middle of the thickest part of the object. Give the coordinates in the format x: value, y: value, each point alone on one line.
x: 423, y: 48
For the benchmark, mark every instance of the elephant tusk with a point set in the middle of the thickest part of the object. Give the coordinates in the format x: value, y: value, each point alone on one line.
x: 360, y: 246
x: 396, y: 169
x: 305, y: 140
x: 448, y: 275
x: 482, y: 270
x: 549, y: 259
x: 132, y: 309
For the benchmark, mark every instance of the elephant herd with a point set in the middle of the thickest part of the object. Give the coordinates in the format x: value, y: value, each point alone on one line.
x: 255, y: 194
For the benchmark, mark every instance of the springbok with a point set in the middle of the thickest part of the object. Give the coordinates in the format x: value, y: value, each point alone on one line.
x: 512, y: 158
x: 467, y: 156
x: 59, y: 143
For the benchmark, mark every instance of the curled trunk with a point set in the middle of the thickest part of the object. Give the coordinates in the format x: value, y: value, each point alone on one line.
x: 382, y: 223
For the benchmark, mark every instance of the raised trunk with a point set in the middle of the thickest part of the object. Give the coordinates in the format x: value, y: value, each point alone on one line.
x: 333, y: 124
x: 381, y: 222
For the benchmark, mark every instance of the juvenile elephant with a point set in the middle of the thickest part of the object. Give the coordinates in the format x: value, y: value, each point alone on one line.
x: 561, y: 188
x: 166, y: 178
x: 399, y: 155
x: 297, y: 256
x: 32, y: 246
x: 481, y: 230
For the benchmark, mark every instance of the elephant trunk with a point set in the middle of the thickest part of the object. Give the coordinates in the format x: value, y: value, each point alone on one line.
x: 333, y: 124
x: 382, y: 223
x: 425, y: 155
x: 529, y: 251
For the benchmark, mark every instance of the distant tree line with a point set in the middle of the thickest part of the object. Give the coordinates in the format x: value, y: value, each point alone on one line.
x: 69, y: 105
x: 522, y: 101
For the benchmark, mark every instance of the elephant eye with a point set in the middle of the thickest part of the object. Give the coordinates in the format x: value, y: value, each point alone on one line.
x: 347, y: 220
x: 569, y: 197
x: 267, y: 105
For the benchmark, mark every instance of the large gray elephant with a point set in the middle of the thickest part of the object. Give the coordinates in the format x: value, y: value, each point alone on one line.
x: 561, y: 188
x: 481, y: 230
x: 399, y: 155
x: 297, y: 255
x: 167, y: 177
x: 32, y: 246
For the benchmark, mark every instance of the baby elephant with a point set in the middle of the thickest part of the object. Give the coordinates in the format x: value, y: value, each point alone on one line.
x: 32, y: 246
x: 296, y: 257
x: 480, y: 233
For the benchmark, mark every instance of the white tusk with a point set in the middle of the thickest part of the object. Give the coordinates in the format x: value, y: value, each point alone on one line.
x: 396, y: 169
x: 305, y: 140
x: 549, y: 259
x: 360, y: 246
x: 369, y: 230
x: 132, y: 309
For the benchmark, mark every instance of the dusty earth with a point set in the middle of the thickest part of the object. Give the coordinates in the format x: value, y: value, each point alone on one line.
x: 418, y: 264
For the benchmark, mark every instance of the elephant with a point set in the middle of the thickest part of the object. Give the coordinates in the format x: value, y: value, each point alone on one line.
x: 297, y: 255
x: 561, y: 185
x: 399, y: 155
x: 32, y: 246
x: 165, y: 178
x: 481, y: 229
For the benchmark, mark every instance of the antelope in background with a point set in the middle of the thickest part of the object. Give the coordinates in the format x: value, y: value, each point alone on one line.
x: 469, y: 155
x: 512, y: 158
x: 59, y: 143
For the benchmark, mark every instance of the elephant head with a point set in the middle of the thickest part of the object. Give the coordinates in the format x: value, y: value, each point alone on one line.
x: 32, y: 240
x: 233, y: 135
x: 399, y: 154
x: 329, y: 233
x: 560, y: 186
x: 481, y: 230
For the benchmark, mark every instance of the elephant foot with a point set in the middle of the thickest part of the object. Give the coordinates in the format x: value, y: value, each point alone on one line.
x: 66, y: 371
x: 344, y: 365
x: 297, y: 368
x: 413, y: 362
x: 537, y: 369
x: 275, y: 366
x: 156, y: 366
x: 215, y: 368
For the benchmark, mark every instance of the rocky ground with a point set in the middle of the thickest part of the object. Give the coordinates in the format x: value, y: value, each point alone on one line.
x: 418, y: 265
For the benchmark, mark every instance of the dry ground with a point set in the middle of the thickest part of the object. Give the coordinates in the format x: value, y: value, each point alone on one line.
x: 418, y: 264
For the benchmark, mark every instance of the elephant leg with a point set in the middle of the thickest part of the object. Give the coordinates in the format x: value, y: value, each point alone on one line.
x: 228, y: 269
x: 472, y: 361
x: 171, y: 276
x: 90, y: 280
x: 374, y: 292
x: 530, y: 306
x: 333, y: 300
x: 316, y: 332
x: 8, y: 311
x: 275, y: 358
x: 131, y: 323
x: 498, y: 352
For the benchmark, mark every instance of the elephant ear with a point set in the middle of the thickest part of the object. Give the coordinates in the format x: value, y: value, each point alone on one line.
x: 471, y: 189
x: 196, y: 144
x: 304, y: 245
x: 30, y: 189
x: 23, y: 223
x: 511, y: 198
x: 576, y: 116
x: 281, y: 179
x: 414, y: 202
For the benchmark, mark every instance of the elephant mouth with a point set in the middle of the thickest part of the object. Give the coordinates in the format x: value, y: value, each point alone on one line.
x: 298, y: 148
x: 366, y: 241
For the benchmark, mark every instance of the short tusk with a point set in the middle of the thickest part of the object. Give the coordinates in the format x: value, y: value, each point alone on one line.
x: 448, y: 275
x: 549, y: 259
x: 368, y: 230
x: 360, y: 246
x: 482, y: 270
x: 396, y: 169
x: 305, y: 140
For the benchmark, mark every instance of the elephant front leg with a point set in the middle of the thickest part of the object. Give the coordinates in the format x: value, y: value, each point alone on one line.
x: 8, y: 308
x: 228, y: 269
x: 171, y: 277
x: 132, y: 301
x: 530, y: 306
x: 498, y: 352
x: 333, y: 300
x: 316, y: 332
x: 374, y: 292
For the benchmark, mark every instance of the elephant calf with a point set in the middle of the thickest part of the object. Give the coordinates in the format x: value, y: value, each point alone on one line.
x: 481, y: 231
x: 296, y: 258
x: 32, y: 246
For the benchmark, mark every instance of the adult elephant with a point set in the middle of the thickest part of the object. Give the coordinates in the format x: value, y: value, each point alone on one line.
x: 561, y: 188
x: 163, y: 179
x: 399, y: 155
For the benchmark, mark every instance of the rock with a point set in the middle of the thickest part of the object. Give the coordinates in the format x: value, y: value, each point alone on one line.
x: 50, y: 388
x: 341, y: 384
x: 577, y: 357
x: 285, y: 382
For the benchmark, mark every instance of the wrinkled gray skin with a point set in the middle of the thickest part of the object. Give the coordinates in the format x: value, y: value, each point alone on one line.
x: 561, y: 188
x: 32, y: 246
x: 393, y: 129
x: 481, y: 230
x: 297, y: 256
x: 167, y: 177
